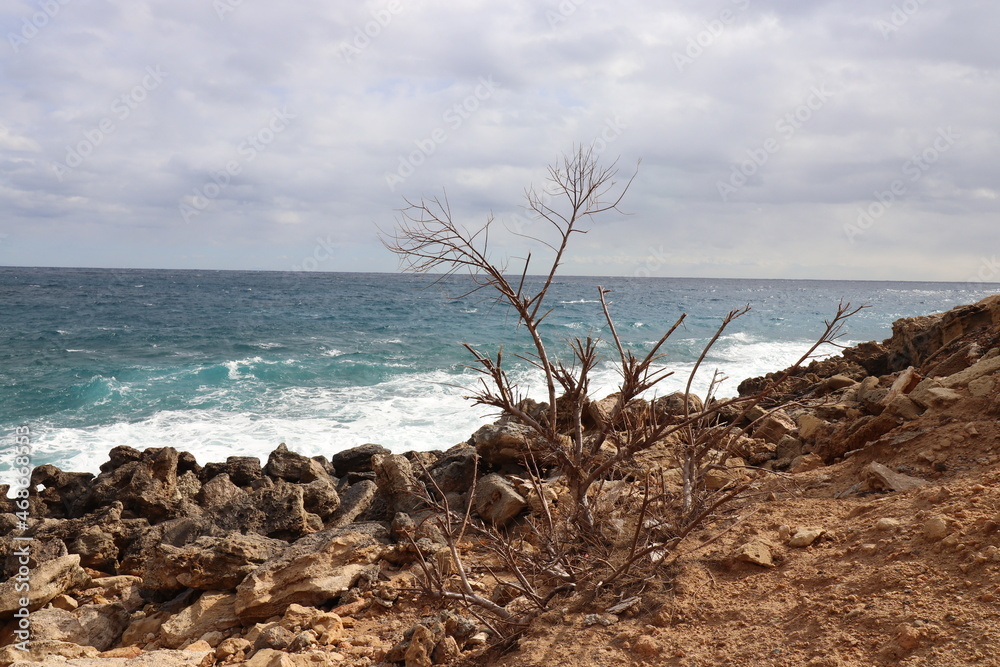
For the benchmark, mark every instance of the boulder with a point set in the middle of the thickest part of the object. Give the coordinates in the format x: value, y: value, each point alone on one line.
x: 502, y: 443
x: 103, y: 624
x: 47, y: 580
x: 292, y: 467
x: 147, y: 487
x: 356, y: 459
x: 209, y: 563
x: 314, y: 570
x: 397, y: 483
x: 357, y: 499
x: 63, y: 492
x: 774, y: 427
x: 242, y: 470
x: 878, y: 477
x: 456, y: 471
x: 277, y: 511
x: 320, y: 497
x: 497, y: 501
x: 674, y: 404
x: 213, y: 612
x: 219, y: 491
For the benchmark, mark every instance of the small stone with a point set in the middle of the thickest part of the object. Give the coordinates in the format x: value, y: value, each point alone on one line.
x: 805, y: 536
x: 936, y: 528
x: 646, y: 647
x: 65, y: 602
x: 805, y: 463
x: 756, y: 552
x: 887, y: 524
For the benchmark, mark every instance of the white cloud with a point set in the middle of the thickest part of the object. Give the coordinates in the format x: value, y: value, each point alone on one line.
x: 696, y: 90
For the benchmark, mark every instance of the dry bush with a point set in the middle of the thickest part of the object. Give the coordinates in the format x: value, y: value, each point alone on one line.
x: 600, y: 522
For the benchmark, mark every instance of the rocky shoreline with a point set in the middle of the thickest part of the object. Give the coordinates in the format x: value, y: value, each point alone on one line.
x: 313, y: 561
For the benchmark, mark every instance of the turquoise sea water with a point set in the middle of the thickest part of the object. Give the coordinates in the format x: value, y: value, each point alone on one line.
x: 221, y: 362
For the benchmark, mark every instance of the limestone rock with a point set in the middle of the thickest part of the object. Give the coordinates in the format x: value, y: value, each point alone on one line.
x: 757, y: 552
x: 501, y: 443
x: 210, y: 563
x: 456, y: 470
x: 805, y: 536
x: 356, y: 459
x: 213, y: 612
x: 293, y: 467
x: 931, y: 394
x: 936, y: 528
x: 982, y: 368
x: 881, y: 478
x: 497, y: 501
x: 47, y: 653
x: 775, y: 426
x: 102, y: 624
x: 314, y: 570
x: 356, y: 500
x: 48, y: 580
x: 810, y: 427
x: 278, y: 511
x: 243, y: 471
x: 219, y: 491
x: 397, y: 483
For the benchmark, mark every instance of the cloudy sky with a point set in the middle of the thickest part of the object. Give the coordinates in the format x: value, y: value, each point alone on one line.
x: 855, y: 139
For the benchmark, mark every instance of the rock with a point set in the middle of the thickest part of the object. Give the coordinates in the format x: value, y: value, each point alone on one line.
x: 241, y: 470
x: 931, y: 394
x: 233, y: 649
x: 835, y: 382
x: 314, y: 570
x: 674, y: 404
x: 936, y: 528
x: 445, y: 651
x: 270, y: 657
x: 292, y: 467
x: 356, y: 459
x: 47, y: 580
x: 774, y: 426
x: 878, y: 477
x: 278, y: 511
x: 50, y: 654
x: 68, y: 489
x: 811, y: 426
x: 320, y: 498
x: 854, y: 435
x: 456, y: 471
x: 47, y: 653
x: 886, y: 524
x: 904, y: 407
x: 397, y: 483
x: 175, y: 532
x: 497, y: 501
x: 788, y: 448
x: 210, y: 563
x: 219, y: 491
x: 421, y: 648
x: 805, y: 536
x: 805, y: 463
x: 502, y: 443
x: 356, y: 500
x: 274, y: 636
x: 64, y: 602
x: 981, y: 368
x: 57, y: 625
x: 213, y: 612
x: 102, y: 624
x: 146, y: 487
x: 144, y: 628
x: 757, y: 552
x: 982, y: 387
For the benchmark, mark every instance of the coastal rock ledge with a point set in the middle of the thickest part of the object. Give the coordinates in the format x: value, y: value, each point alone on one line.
x: 873, y: 489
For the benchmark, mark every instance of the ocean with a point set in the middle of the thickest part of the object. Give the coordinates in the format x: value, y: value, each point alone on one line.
x: 223, y: 363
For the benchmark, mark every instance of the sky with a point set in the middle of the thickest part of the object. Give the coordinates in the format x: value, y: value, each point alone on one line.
x: 855, y: 139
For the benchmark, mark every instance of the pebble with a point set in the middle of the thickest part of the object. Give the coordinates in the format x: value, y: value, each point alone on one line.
x: 887, y: 524
x: 805, y: 536
x: 935, y: 528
